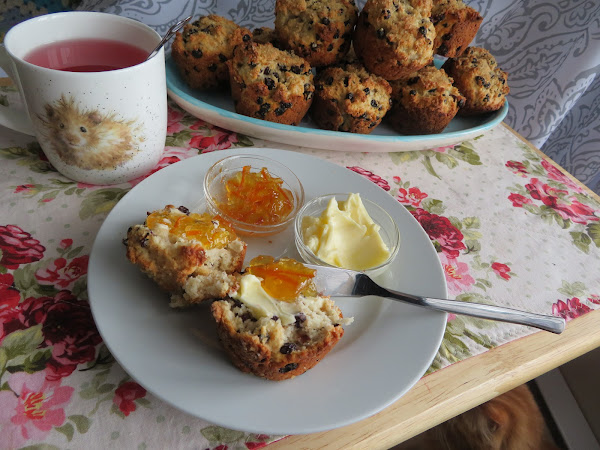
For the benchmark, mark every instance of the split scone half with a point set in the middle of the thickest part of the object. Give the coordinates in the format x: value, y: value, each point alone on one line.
x: 276, y: 325
x: 193, y: 257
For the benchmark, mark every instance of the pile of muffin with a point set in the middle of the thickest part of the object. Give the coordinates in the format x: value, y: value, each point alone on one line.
x: 348, y: 69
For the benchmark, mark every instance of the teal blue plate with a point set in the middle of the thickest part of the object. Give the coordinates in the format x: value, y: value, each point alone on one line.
x: 217, y: 108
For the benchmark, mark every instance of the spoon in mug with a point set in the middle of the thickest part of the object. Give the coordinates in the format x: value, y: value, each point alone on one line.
x: 169, y: 35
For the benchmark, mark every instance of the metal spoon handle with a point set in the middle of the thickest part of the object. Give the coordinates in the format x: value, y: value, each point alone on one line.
x: 541, y: 321
x: 169, y: 35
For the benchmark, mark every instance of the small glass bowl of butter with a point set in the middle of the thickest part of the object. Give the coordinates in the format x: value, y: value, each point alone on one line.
x: 345, y: 230
x: 257, y: 195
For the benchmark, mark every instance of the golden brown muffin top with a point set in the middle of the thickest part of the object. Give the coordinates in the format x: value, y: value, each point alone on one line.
x: 353, y: 85
x: 280, y: 71
x: 478, y: 68
x: 264, y: 35
x: 311, y: 26
x: 210, y: 34
x: 306, y: 15
x: 444, y: 5
x: 401, y: 24
x: 428, y: 86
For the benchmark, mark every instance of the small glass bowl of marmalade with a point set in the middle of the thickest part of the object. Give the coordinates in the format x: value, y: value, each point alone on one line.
x: 257, y: 195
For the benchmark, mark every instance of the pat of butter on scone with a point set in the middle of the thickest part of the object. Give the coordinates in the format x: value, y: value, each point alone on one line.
x: 261, y: 304
x: 345, y: 235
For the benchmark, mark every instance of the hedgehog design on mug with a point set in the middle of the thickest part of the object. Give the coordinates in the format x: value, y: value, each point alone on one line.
x: 89, y: 139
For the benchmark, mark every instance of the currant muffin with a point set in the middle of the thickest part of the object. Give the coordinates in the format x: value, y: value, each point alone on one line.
x: 201, y: 51
x: 479, y: 79
x: 277, y: 326
x: 193, y: 257
x: 393, y: 38
x: 265, y: 35
x: 317, y: 30
x: 456, y: 24
x: 348, y: 98
x: 270, y: 84
x: 424, y: 103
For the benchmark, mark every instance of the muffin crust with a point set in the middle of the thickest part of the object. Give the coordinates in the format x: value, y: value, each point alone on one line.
x: 270, y: 84
x: 203, y: 48
x: 317, y: 30
x: 479, y: 79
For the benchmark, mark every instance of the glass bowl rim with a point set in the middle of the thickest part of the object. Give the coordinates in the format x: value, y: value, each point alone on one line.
x: 303, y: 248
x: 297, y: 193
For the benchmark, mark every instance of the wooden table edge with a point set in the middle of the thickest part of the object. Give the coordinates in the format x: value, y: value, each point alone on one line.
x: 554, y: 163
x: 458, y: 388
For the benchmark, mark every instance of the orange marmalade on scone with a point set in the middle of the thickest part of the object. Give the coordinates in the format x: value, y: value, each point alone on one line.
x: 276, y: 288
x: 284, y: 279
x: 256, y: 198
x: 211, y: 231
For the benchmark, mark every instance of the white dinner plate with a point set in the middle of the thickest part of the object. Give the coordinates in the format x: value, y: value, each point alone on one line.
x: 216, y: 107
x: 176, y: 355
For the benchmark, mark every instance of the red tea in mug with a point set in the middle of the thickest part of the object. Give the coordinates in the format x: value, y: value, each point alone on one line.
x: 86, y: 55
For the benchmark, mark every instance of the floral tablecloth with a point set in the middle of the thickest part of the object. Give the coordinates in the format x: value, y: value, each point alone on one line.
x: 509, y: 226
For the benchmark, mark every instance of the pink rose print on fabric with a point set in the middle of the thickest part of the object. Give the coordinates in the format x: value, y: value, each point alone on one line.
x: 383, y: 184
x: 9, y: 306
x: 259, y: 443
x: 8, y: 293
x: 81, y: 185
x: 502, y: 270
x: 62, y: 275
x: 174, y: 117
x: 31, y: 408
x: 445, y: 236
x: 566, y: 206
x: 595, y: 299
x: 411, y: 197
x: 443, y: 149
x: 555, y: 174
x: 70, y: 329
x: 24, y: 188
x: 580, y: 213
x: 164, y: 162
x: 575, y: 211
x: 220, y: 140
x: 517, y: 168
x: 67, y: 326
x: 18, y: 247
x: 569, y: 310
x: 519, y: 200
x: 457, y: 274
x: 542, y: 191
x: 125, y: 396
x: 66, y: 243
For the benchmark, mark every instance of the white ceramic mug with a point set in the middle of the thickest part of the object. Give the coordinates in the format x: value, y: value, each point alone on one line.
x: 95, y: 127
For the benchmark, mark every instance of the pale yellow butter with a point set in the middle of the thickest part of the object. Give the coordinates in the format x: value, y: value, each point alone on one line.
x: 261, y: 304
x: 345, y: 235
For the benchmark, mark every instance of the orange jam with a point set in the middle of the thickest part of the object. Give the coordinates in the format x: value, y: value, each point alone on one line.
x: 256, y: 198
x: 284, y: 279
x: 211, y: 231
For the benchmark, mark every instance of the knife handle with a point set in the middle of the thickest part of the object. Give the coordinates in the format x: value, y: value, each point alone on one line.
x: 502, y: 314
